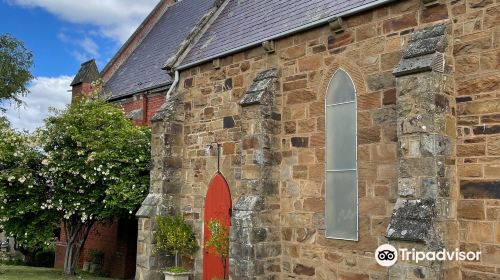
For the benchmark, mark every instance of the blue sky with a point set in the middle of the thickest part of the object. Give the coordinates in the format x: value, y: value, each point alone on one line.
x: 62, y: 34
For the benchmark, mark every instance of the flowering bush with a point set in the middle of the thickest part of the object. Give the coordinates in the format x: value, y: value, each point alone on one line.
x: 98, y: 164
x: 23, y: 193
x: 88, y: 164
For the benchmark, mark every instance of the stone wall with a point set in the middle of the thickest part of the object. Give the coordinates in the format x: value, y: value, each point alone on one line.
x: 276, y: 152
x: 476, y: 51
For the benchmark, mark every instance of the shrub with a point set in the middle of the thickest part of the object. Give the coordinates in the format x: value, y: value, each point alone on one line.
x: 176, y: 236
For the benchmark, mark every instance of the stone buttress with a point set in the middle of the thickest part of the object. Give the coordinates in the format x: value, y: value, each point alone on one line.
x: 166, y: 163
x: 424, y: 215
x: 255, y: 233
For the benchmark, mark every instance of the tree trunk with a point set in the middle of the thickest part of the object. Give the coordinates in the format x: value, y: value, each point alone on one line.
x: 76, y: 235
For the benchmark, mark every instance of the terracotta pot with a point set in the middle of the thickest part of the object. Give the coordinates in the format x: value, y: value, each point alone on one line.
x: 176, y: 276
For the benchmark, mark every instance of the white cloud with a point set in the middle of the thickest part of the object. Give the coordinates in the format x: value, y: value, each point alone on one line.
x: 115, y: 19
x: 45, y: 92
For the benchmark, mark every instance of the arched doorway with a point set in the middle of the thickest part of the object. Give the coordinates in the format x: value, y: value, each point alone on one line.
x: 217, y: 206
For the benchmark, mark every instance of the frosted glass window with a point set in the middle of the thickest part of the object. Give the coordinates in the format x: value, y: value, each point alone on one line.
x: 341, y: 215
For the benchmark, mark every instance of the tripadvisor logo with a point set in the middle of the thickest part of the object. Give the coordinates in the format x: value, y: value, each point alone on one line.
x: 386, y: 255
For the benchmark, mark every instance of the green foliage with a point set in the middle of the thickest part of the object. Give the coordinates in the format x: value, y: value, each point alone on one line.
x: 176, y: 269
x: 88, y: 164
x: 24, y: 192
x: 97, y: 161
x: 95, y: 256
x: 44, y: 258
x: 175, y: 235
x: 15, y: 64
x: 218, y: 243
x: 219, y: 238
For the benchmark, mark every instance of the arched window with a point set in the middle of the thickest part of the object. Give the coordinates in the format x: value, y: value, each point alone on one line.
x: 341, y: 215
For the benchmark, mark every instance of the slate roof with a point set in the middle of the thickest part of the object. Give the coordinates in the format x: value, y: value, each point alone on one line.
x: 88, y: 73
x: 249, y: 22
x: 142, y: 69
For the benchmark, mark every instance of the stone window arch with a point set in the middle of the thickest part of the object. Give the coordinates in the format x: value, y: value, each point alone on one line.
x: 341, y: 216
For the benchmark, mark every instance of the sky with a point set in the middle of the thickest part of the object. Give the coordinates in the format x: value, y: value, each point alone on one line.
x: 62, y: 34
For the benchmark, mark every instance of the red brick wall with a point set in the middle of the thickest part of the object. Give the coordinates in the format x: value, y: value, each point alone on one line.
x: 150, y: 103
x: 81, y: 89
x: 118, y: 242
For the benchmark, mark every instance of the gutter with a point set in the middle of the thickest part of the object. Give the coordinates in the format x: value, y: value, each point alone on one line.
x: 173, y: 85
x: 115, y: 98
x: 287, y: 33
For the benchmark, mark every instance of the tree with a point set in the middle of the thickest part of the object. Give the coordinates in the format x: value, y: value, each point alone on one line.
x: 175, y: 235
x: 24, y: 193
x: 15, y: 64
x: 98, y: 163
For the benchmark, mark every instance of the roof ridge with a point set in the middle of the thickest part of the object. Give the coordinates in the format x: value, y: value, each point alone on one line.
x: 161, y: 4
x: 88, y: 61
x: 195, y: 34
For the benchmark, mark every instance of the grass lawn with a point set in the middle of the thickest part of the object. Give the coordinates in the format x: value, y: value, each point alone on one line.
x: 38, y: 273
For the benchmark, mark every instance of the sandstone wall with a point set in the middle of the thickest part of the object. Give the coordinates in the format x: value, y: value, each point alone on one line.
x: 476, y: 51
x: 368, y: 50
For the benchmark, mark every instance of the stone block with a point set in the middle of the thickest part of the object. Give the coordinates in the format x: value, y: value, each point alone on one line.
x: 480, y: 189
x: 480, y: 232
x: 424, y: 46
x: 249, y: 203
x: 301, y: 269
x: 411, y: 220
x: 400, y: 22
x: 407, y: 187
x: 385, y: 116
x: 264, y: 250
x: 471, y: 209
x: 490, y: 254
x: 380, y: 81
x: 411, y: 167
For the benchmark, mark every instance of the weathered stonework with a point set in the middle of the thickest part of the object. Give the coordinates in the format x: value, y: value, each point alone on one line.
x: 423, y: 213
x: 255, y: 240
x: 411, y: 135
x: 165, y: 185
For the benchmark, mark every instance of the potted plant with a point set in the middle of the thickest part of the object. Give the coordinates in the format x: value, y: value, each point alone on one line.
x: 89, y: 258
x: 218, y: 243
x: 175, y: 236
x: 97, y: 262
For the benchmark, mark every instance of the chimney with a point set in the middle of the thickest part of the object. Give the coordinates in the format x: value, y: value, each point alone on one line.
x: 82, y: 83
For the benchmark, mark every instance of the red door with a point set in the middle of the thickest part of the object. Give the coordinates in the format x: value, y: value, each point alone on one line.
x: 217, y: 206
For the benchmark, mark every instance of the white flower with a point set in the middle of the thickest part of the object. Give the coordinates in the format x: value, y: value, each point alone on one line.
x: 22, y: 179
x: 45, y: 162
x: 136, y: 160
x: 11, y: 178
